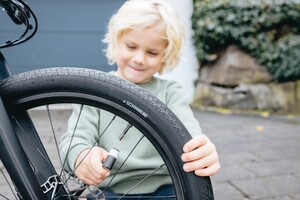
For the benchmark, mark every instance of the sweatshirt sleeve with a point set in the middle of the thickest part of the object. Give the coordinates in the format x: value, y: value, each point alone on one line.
x: 177, y: 101
x: 82, y: 124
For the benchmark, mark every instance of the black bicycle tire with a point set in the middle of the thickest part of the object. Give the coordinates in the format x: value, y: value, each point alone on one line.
x: 40, y: 86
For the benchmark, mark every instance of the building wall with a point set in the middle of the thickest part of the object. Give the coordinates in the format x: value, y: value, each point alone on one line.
x: 69, y: 34
x: 186, y: 73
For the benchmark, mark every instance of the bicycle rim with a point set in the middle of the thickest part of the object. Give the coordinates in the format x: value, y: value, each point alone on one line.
x: 81, y: 86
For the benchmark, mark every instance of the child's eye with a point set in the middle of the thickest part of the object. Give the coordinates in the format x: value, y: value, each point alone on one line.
x: 130, y: 46
x: 153, y: 53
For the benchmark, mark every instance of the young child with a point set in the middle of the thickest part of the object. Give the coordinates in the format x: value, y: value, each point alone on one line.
x: 144, y: 38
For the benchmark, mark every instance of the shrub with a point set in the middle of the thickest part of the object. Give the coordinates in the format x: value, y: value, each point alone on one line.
x: 267, y: 30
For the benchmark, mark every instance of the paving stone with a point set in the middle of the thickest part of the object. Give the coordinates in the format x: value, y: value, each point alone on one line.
x: 274, y: 154
x: 233, y: 172
x: 6, y: 192
x: 295, y: 196
x: 246, y: 145
x: 279, y: 198
x: 235, y: 158
x: 225, y: 191
x: 272, y: 186
x: 4, y: 188
x: 278, y: 167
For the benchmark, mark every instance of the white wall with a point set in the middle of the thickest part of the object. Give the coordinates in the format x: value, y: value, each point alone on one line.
x: 187, y: 71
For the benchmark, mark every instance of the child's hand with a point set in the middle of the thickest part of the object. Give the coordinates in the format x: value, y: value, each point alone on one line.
x: 200, y: 155
x: 90, y: 169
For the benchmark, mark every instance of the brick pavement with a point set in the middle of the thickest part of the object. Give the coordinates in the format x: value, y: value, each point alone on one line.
x: 259, y: 156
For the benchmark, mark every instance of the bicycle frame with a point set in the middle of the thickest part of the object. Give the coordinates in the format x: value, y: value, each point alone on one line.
x: 10, y: 144
x: 13, y: 157
x: 17, y: 164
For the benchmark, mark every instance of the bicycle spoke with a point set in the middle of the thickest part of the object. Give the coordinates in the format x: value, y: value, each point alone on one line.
x: 53, y: 133
x: 124, y: 132
x: 69, y: 147
x: 81, y: 187
x: 141, y: 181
x: 95, y: 143
x: 4, y: 197
x: 9, y: 184
x: 97, y: 140
x: 141, y: 138
x: 62, y: 174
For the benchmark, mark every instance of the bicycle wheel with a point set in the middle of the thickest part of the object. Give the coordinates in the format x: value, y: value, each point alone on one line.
x: 25, y: 92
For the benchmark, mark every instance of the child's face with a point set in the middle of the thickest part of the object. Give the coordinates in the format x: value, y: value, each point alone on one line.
x: 140, y: 54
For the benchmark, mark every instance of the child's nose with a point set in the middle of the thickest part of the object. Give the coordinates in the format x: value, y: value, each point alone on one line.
x: 139, y: 57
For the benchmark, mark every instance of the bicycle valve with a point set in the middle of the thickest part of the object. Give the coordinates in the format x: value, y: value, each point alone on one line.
x: 109, y: 162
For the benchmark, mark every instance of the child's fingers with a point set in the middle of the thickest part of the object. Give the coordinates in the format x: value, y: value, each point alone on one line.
x: 90, y: 168
x: 195, y: 142
x: 93, y: 178
x: 200, y: 163
x: 210, y: 163
x: 209, y: 171
x: 198, y: 153
x: 97, y: 170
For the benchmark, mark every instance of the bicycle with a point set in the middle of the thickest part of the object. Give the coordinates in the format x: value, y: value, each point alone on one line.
x: 33, y: 173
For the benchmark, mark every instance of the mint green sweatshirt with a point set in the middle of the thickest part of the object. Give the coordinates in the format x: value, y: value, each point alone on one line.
x: 144, y: 158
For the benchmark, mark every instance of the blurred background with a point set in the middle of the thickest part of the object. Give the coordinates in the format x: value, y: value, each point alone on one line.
x: 238, y: 55
x: 241, y: 61
x: 249, y: 54
x: 69, y: 34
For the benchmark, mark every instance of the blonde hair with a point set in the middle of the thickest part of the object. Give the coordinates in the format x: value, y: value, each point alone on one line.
x: 135, y: 14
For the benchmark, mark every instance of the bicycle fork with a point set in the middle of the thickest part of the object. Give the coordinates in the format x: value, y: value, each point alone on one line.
x: 11, y: 152
x: 14, y: 159
x: 13, y: 141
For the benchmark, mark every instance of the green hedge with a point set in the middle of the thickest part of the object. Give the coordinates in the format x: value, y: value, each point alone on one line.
x: 270, y: 32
